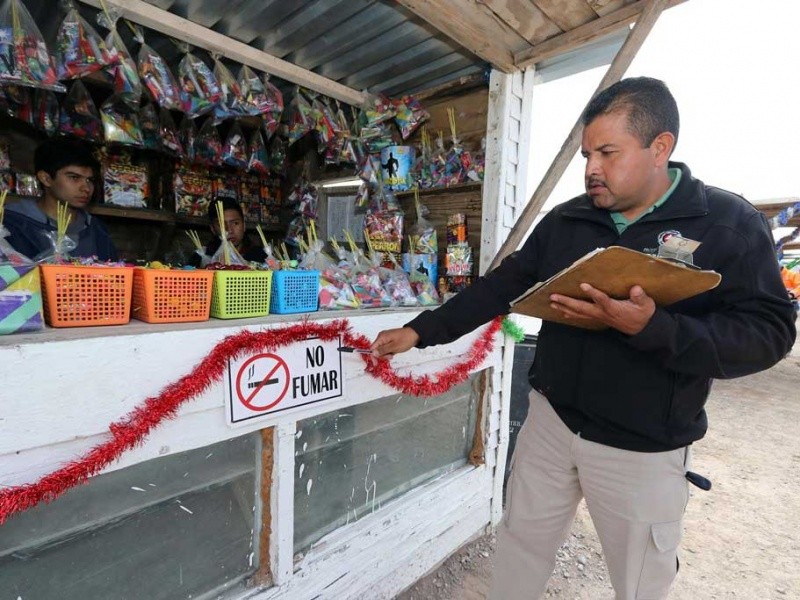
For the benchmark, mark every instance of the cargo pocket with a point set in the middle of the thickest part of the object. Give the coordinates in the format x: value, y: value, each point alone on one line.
x: 660, y: 561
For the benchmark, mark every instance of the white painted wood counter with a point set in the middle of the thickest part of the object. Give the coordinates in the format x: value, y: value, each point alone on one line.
x: 62, y: 388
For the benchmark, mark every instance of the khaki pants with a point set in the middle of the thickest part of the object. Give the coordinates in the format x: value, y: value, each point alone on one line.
x: 636, y: 501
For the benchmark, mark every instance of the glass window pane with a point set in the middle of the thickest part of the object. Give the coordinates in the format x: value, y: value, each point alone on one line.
x: 172, y: 527
x: 348, y: 462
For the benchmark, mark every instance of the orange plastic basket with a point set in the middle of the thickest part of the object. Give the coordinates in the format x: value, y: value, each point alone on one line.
x: 171, y: 295
x: 76, y: 296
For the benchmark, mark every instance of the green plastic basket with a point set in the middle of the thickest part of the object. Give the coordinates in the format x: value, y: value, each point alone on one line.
x: 241, y: 294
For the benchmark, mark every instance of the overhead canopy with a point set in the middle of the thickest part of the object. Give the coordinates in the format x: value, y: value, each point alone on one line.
x: 343, y: 47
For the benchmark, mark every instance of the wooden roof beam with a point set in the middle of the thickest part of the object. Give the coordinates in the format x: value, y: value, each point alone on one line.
x: 616, y: 70
x: 574, y: 38
x: 179, y: 28
x: 472, y: 26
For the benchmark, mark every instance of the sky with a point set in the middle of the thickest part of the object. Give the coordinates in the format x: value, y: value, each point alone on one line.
x: 732, y: 66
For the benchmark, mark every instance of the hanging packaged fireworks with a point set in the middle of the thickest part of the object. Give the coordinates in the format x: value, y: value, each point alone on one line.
x: 79, y: 116
x: 156, y: 76
x: 231, y: 103
x: 123, y: 72
x: 24, y: 58
x: 79, y: 48
x: 199, y: 90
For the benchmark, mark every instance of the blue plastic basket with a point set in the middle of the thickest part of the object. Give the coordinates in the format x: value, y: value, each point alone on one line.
x: 294, y: 292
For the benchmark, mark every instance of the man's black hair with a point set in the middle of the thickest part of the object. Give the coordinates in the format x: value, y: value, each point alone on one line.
x: 227, y: 204
x: 649, y: 105
x: 53, y: 155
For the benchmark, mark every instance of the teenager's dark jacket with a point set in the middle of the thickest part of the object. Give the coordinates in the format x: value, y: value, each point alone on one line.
x: 249, y: 252
x: 643, y: 392
x: 29, y: 227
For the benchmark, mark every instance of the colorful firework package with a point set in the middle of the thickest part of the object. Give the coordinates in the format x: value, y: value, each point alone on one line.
x: 258, y: 161
x: 156, y: 76
x: 127, y: 84
x: 79, y: 49
x: 188, y: 137
x: 303, y: 117
x: 24, y: 59
x: 384, y: 231
x: 423, y: 233
x: 234, y: 150
x: 376, y: 109
x: 148, y: 121
x: 79, y: 116
x: 260, y: 97
x: 410, y: 115
x: 208, y: 146
x: 125, y: 184
x: 199, y: 90
x: 192, y: 191
x: 121, y: 122
x: 45, y: 111
x: 170, y: 139
x: 231, y: 102
x: 424, y: 288
x: 277, y: 154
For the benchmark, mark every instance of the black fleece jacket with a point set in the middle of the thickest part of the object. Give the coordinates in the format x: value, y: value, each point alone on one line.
x: 644, y: 392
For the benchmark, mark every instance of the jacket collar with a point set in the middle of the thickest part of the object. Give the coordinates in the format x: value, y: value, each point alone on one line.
x: 688, y: 200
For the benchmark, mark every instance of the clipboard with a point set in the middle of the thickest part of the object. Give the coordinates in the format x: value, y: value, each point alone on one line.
x: 614, y: 271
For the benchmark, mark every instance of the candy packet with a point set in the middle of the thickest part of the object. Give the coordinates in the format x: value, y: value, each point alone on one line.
x: 156, y: 76
x: 79, y: 116
x: 121, y: 122
x: 24, y: 58
x: 199, y: 90
x: 79, y: 48
x: 234, y: 150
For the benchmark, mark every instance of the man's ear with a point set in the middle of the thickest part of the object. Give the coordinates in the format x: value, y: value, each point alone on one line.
x: 662, y: 147
x: 44, y: 178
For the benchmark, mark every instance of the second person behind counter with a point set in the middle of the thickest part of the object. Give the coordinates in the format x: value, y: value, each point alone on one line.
x: 235, y: 228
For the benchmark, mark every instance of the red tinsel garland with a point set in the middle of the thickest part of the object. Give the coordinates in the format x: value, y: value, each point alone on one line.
x: 132, y: 429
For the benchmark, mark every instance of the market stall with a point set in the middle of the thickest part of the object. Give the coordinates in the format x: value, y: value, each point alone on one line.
x: 230, y: 440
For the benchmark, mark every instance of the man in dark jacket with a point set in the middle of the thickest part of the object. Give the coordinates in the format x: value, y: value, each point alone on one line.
x: 614, y: 412
x: 236, y: 230
x: 67, y: 171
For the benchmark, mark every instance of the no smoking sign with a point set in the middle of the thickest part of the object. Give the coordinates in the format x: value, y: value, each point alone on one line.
x: 263, y: 384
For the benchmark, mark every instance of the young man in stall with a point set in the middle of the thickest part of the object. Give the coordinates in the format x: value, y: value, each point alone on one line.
x: 237, y: 234
x: 67, y: 171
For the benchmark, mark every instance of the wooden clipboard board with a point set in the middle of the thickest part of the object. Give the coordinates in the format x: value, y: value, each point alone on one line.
x: 615, y: 270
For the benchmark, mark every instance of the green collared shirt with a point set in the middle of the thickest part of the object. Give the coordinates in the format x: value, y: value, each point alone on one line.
x: 622, y: 223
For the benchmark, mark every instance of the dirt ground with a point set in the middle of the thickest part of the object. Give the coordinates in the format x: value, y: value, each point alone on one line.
x: 742, y: 538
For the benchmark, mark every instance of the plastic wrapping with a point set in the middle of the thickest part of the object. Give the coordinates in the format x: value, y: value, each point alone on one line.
x: 303, y: 117
x: 79, y: 48
x: 157, y: 77
x: 199, y: 90
x: 79, y: 116
x: 45, y: 111
x: 17, y: 102
x: 170, y: 138
x: 258, y: 159
x: 227, y: 255
x: 376, y: 109
x: 410, y: 115
x: 424, y: 288
x: 127, y: 84
x: 260, y: 97
x: 121, y: 122
x: 234, y: 150
x: 231, y: 102
x: 188, y: 138
x: 424, y: 238
x: 208, y: 146
x: 148, y: 121
x: 24, y: 58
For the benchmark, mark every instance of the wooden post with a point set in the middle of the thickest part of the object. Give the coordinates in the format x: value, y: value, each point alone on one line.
x: 615, y: 72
